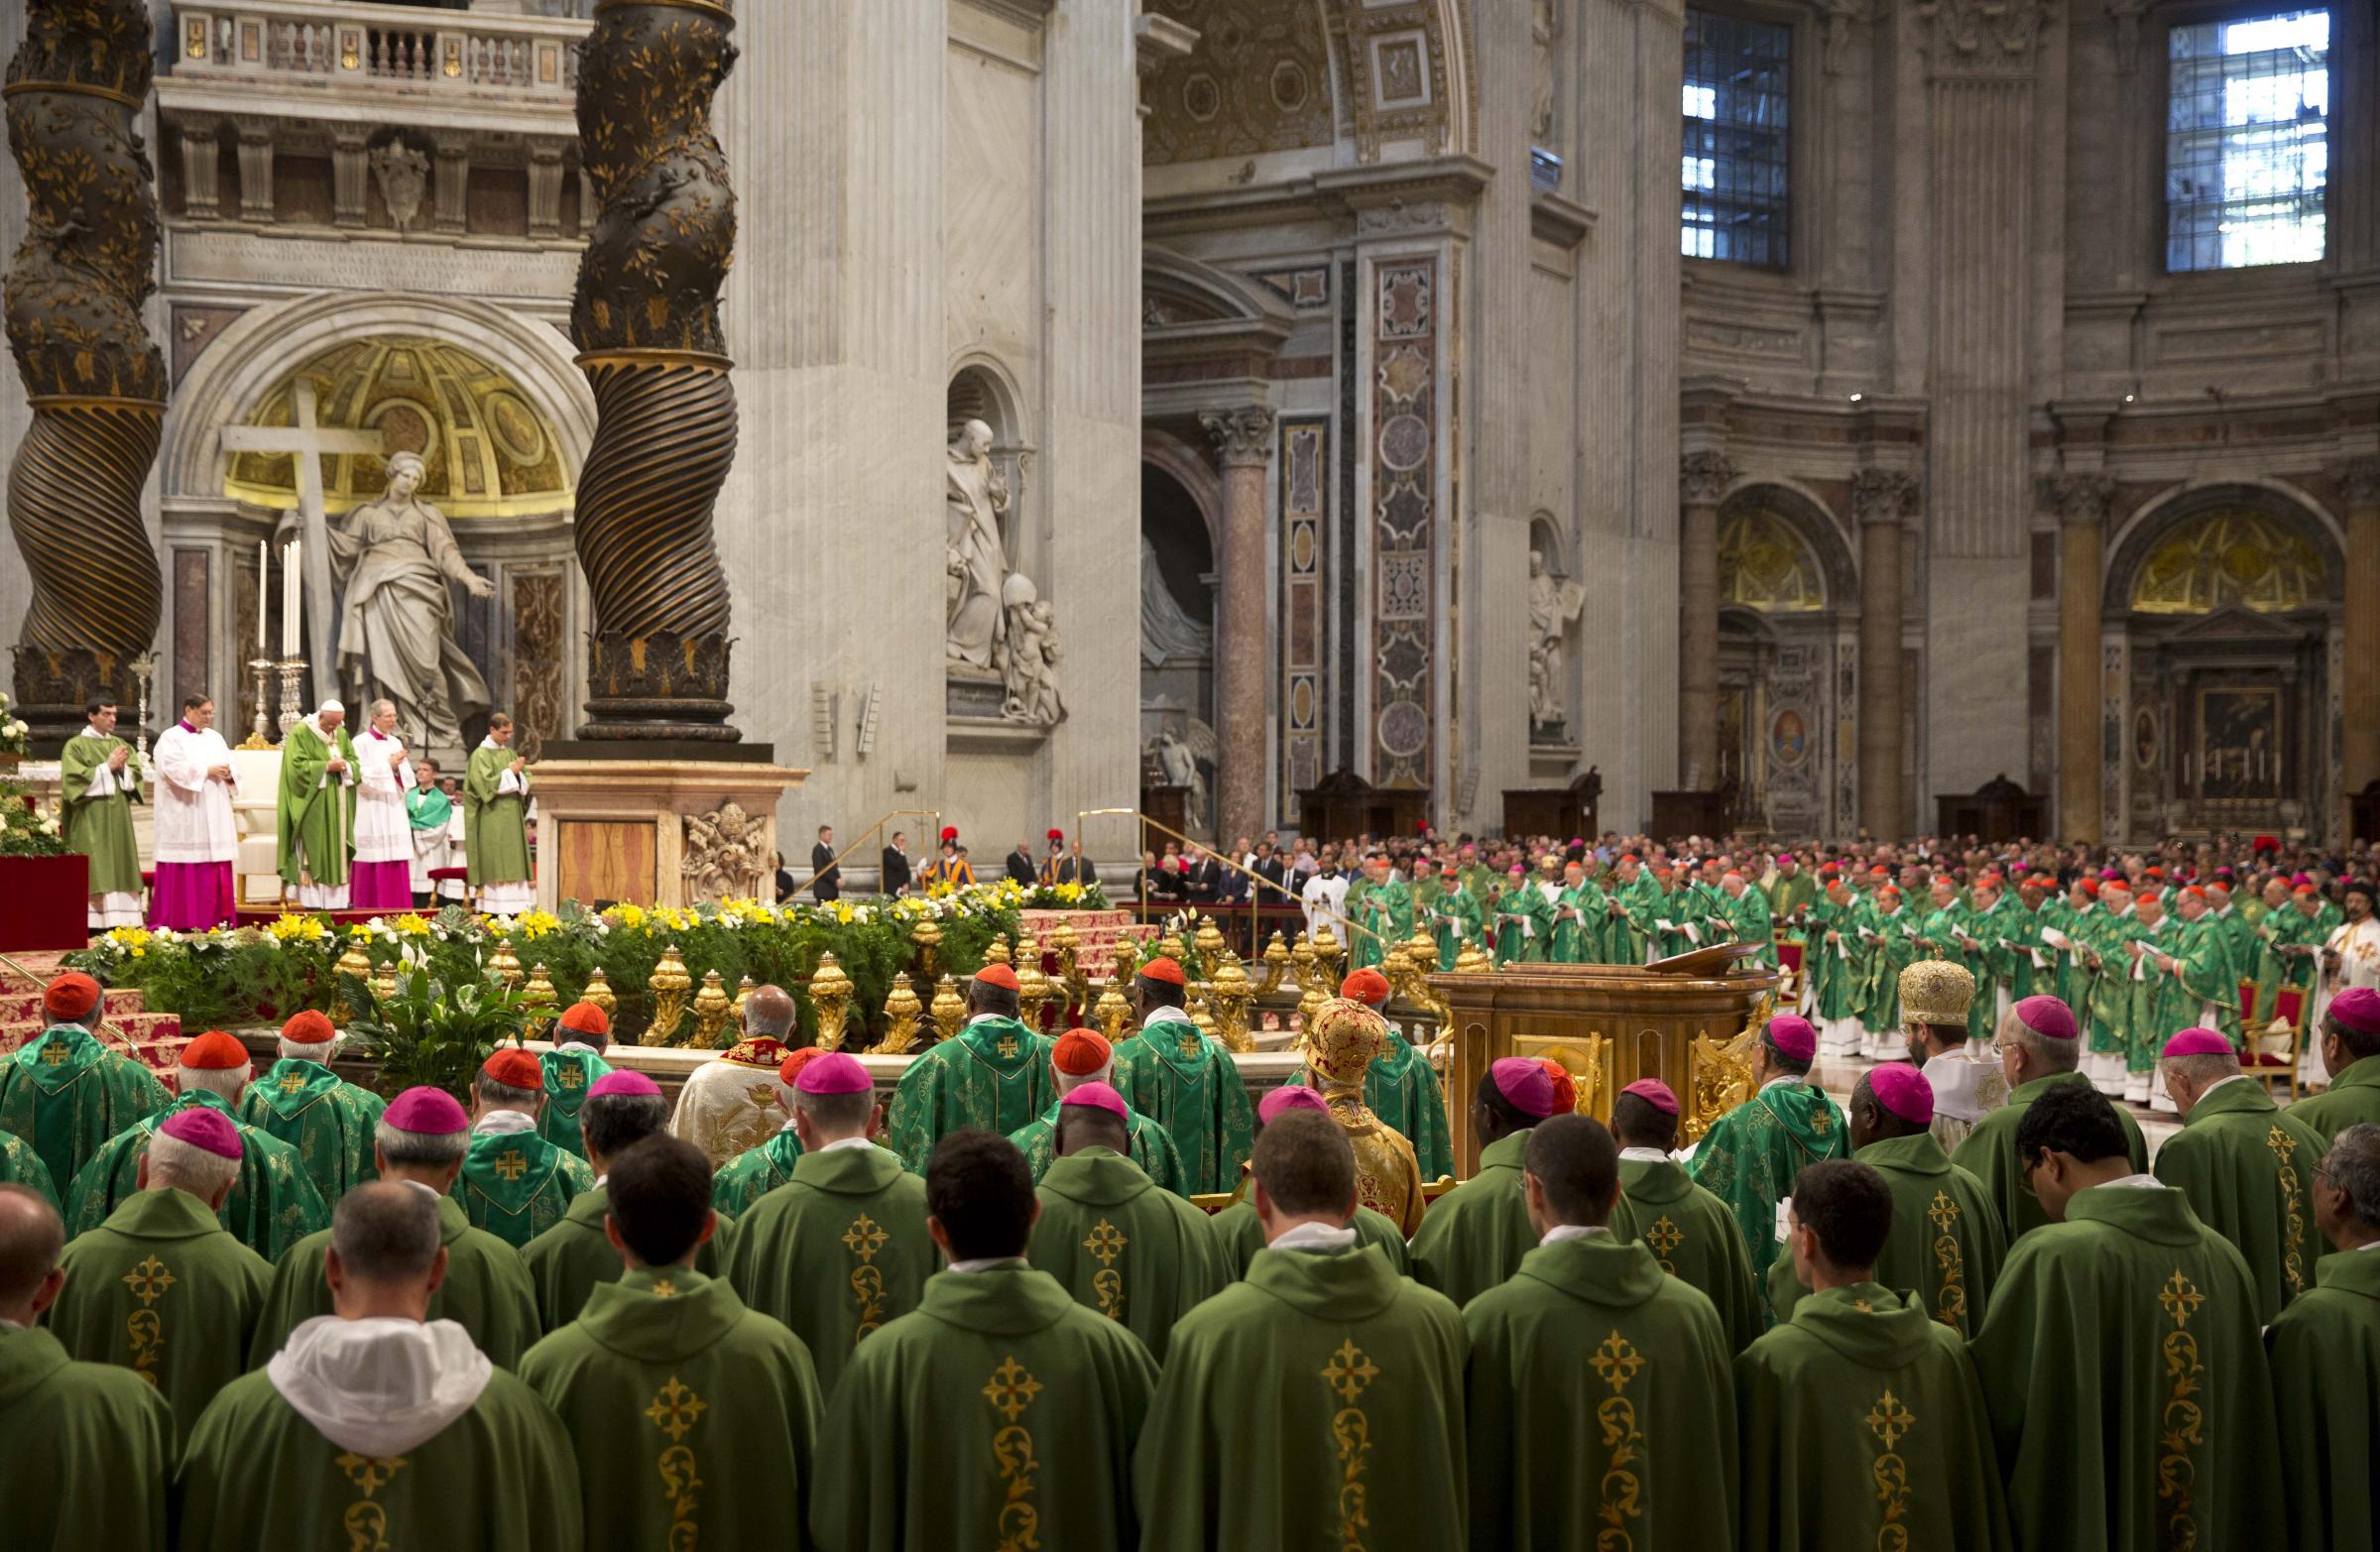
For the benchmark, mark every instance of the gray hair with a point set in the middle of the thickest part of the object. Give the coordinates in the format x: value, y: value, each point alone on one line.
x: 2051, y: 1053
x: 2354, y: 1166
x: 300, y: 1050
x: 838, y: 1115
x: 421, y: 1149
x: 386, y: 1232
x: 384, y: 704
x: 767, y: 1013
x: 2203, y: 1070
x: 185, y: 1166
x: 491, y: 1092
x: 224, y: 1081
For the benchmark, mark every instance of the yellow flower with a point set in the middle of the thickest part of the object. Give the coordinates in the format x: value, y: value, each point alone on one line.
x: 360, y: 932
x: 412, y: 926
x: 630, y: 916
x: 843, y: 913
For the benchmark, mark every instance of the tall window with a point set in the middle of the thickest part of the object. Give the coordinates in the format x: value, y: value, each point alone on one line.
x: 2247, y: 141
x: 1734, y: 173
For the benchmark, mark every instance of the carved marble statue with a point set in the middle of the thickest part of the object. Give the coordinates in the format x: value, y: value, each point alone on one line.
x: 1028, y: 656
x: 975, y: 499
x: 1178, y: 759
x: 723, y: 855
x: 1553, y: 604
x: 404, y: 177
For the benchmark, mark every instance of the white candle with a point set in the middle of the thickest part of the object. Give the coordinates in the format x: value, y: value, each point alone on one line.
x: 263, y: 553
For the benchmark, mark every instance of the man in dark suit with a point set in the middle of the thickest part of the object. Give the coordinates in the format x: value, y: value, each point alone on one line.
x: 1021, y: 865
x: 896, y: 865
x: 826, y: 883
x: 1202, y: 880
x: 1077, y: 867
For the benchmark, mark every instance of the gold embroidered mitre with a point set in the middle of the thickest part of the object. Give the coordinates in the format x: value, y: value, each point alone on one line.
x: 1342, y: 1043
x: 1934, y: 990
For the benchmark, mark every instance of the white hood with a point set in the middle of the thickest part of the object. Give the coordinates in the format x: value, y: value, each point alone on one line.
x: 380, y: 1387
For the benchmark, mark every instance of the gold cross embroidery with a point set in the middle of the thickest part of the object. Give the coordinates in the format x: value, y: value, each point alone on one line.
x: 1664, y: 1237
x: 1350, y: 1370
x: 1890, y: 1419
x: 1008, y: 1045
x: 864, y: 1239
x: 2180, y: 1298
x: 1822, y: 1120
x: 676, y: 1409
x: 292, y: 1082
x: 571, y: 1076
x: 1011, y: 1388
x: 511, y: 1165
x: 1617, y: 1362
x: 149, y: 1281
x: 1191, y: 1044
x: 1106, y: 1242
x: 369, y: 1473
x: 54, y: 1055
x: 1943, y: 1211
x: 663, y: 1288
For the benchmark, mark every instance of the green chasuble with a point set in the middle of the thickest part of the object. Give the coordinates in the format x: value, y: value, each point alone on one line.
x: 1863, y: 1427
x: 1598, y: 1401
x: 255, y: 1474
x: 164, y: 1290
x: 1316, y: 1404
x: 517, y: 1185
x: 1239, y: 1234
x: 1456, y: 922
x: 999, y: 1413
x: 1990, y: 1154
x: 85, y: 1451
x: 1525, y: 924
x: 273, y: 1204
x: 752, y: 1174
x: 2324, y: 1355
x: 1945, y: 1245
x: 1151, y: 1148
x: 836, y: 1252
x: 569, y: 1072
x: 993, y: 1074
x: 1748, y: 920
x: 100, y: 828
x: 486, y: 1291
x: 328, y: 1121
x: 66, y: 1095
x: 570, y: 1261
x: 1139, y: 1255
x: 2248, y: 1171
x: 1751, y: 1155
x: 2353, y: 1097
x: 1692, y: 1238
x: 1189, y: 1085
x: 21, y: 1166
x: 2126, y: 1383
x: 667, y: 1366
x: 1402, y: 1088
x: 495, y: 824
x: 1472, y: 1237
x: 318, y: 807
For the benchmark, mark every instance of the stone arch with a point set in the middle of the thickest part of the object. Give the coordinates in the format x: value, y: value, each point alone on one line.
x: 1547, y: 538
x: 2155, y: 521
x: 983, y: 389
x: 1194, y: 471
x: 1808, y: 520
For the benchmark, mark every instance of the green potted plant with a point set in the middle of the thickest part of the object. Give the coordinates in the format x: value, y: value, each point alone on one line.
x: 427, y: 1034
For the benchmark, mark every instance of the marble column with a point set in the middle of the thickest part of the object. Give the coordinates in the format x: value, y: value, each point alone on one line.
x: 1243, y: 441
x: 1703, y: 478
x: 2359, y: 483
x: 2081, y: 560
x: 1883, y: 501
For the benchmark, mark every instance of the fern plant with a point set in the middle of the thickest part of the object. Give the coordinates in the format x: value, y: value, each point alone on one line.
x: 431, y: 1034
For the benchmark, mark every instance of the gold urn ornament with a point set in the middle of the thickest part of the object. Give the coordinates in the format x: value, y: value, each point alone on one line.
x: 927, y: 938
x: 1032, y: 987
x: 902, y: 1012
x: 1471, y: 960
x: 1422, y: 949
x: 668, y: 985
x: 712, y: 1005
x: 504, y: 962
x: 949, y: 1011
x: 355, y: 962
x: 1206, y: 946
x: 995, y: 952
x: 1228, y: 992
x: 598, y: 991
x: 539, y: 995
x: 735, y: 1012
x: 830, y: 995
x: 1277, y: 957
x: 384, y: 981
x: 1111, y: 1013
x: 1328, y: 952
x: 1125, y: 963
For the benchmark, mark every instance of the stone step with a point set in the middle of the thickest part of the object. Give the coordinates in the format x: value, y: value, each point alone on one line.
x: 19, y: 1006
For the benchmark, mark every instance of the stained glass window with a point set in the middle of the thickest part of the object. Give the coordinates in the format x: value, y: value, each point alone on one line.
x: 2247, y: 141
x: 1733, y: 175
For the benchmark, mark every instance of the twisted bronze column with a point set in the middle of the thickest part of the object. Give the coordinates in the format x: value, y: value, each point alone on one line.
x: 91, y: 373
x: 646, y: 319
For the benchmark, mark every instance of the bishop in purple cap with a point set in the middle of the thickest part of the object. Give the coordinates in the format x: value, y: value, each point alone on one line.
x: 1239, y: 1236
x: 1475, y: 1236
x: 1750, y: 1154
x: 2350, y: 1048
x: 2038, y: 1047
x: 1691, y: 1232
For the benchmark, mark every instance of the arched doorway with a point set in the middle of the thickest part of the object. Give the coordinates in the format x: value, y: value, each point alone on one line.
x: 1785, y: 636
x: 1178, y: 638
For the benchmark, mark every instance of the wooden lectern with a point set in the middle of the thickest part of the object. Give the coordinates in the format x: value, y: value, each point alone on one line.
x: 1610, y: 1025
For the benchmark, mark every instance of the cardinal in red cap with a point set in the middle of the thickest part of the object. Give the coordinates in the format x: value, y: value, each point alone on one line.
x: 63, y: 1094
x: 299, y: 1101
x: 994, y: 1074
x: 1176, y: 1072
x: 514, y: 1183
x: 1750, y: 1154
x: 1077, y: 1058
x: 570, y: 1071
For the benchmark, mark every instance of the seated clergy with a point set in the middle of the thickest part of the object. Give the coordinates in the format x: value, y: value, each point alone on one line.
x: 1239, y: 1232
x: 1596, y: 1395
x: 2350, y: 1050
x: 376, y: 1425
x: 661, y: 1346
x: 65, y: 1093
x: 1691, y: 1232
x: 1186, y: 1082
x: 2040, y: 1048
x: 420, y: 1140
x: 1078, y: 1058
x: 570, y: 1069
x: 756, y: 1171
x: 1751, y: 1155
x: 1474, y: 1237
x: 515, y: 1184
x: 302, y: 1102
x: 1000, y: 1411
x: 2324, y: 1351
x: 993, y: 1074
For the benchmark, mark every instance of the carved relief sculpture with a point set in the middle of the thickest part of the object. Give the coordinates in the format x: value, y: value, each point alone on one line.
x: 403, y: 178
x: 1553, y: 604
x: 975, y: 499
x: 92, y: 375
x: 724, y: 855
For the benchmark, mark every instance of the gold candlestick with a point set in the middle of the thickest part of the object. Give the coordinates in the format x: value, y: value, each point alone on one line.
x: 355, y: 962
x: 668, y: 985
x: 504, y: 962
x: 384, y: 981
x: 744, y: 990
x: 598, y: 991
x: 1125, y: 962
x: 1032, y: 987
x: 1068, y: 949
x: 1230, y: 993
x: 928, y: 938
x: 1278, y: 958
x: 711, y: 1007
x: 902, y: 1012
x: 995, y: 952
x: 538, y: 994
x: 1206, y: 948
x: 1111, y: 1014
x: 830, y: 994
x: 949, y: 1011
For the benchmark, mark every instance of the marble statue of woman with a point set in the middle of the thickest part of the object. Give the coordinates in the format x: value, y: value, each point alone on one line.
x: 1553, y: 604
x: 975, y: 499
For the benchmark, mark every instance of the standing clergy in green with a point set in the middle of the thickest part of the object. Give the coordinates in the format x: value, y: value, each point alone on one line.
x: 1319, y: 1402
x: 515, y: 1184
x: 316, y: 808
x: 1747, y: 915
x: 327, y: 1120
x: 496, y: 786
x: 993, y: 1074
x: 1239, y: 1232
x: 1524, y: 922
x: 742, y: 1181
x: 1863, y: 1425
x: 1596, y: 1396
x: 998, y: 1413
x: 574, y: 1067
x: 161, y: 1288
x: 1474, y: 1237
x: 1400, y: 1086
x: 2246, y: 1169
x: 1186, y: 1082
x: 1946, y: 1245
x: 1456, y: 918
x: 21, y: 1166
x: 377, y: 1427
x: 99, y: 777
x: 2039, y: 1048
x: 273, y: 1204
x: 1691, y: 1232
x: 421, y: 1140
x: 66, y: 1094
x: 1081, y: 1056
x: 1629, y: 908
x: 665, y: 1365
x: 1750, y: 1154
x: 2351, y: 1047
x: 85, y: 1449
x: 841, y: 1248
x: 2324, y: 1351
x: 2119, y: 1357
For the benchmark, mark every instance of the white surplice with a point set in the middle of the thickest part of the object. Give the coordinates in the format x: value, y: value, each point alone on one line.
x: 193, y: 812
x: 382, y: 833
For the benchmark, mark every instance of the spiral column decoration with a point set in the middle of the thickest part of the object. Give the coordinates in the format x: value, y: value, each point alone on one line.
x: 93, y: 377
x: 646, y: 319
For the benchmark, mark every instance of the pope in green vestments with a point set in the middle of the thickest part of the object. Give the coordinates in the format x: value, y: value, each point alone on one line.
x: 66, y: 1094
x: 993, y: 1074
x: 95, y: 799
x: 1750, y: 1154
x: 517, y: 1185
x: 2324, y: 1355
x: 273, y: 1204
x: 1189, y: 1084
x: 487, y: 1291
x: 1139, y: 1255
x: 2246, y: 1168
x: 85, y: 1450
x: 327, y: 1120
x: 1990, y: 1152
x: 317, y: 806
x: 21, y: 1166
x: 1472, y: 1237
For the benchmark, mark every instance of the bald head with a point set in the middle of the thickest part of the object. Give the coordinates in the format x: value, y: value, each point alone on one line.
x: 30, y: 1242
x: 767, y: 1013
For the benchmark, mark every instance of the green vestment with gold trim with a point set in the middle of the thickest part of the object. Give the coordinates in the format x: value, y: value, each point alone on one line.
x: 1751, y: 1155
x: 993, y: 1074
x: 316, y: 817
x: 1945, y: 1245
x: 569, y: 1072
x: 2354, y: 1097
x: 1122, y: 1246
x: 1239, y: 1234
x: 21, y: 1166
x: 1472, y: 1237
x: 66, y: 1095
x: 2324, y: 1355
x: 2247, y: 1169
x: 1188, y: 1084
x: 517, y: 1185
x: 495, y: 822
x: 1693, y: 1236
x: 273, y: 1204
x: 752, y: 1174
x: 1990, y: 1154
x: 486, y: 1291
x: 100, y: 828
x: 1150, y: 1144
x: 327, y: 1120
x: 570, y: 1261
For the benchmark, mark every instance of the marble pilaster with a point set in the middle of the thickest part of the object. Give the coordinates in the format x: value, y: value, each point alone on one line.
x: 2083, y: 511
x: 1703, y: 478
x: 1243, y: 442
x: 1883, y: 501
x: 2359, y: 484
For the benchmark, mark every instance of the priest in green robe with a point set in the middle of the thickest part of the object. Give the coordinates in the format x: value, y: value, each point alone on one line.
x: 666, y: 1368
x: 2350, y: 1048
x: 999, y: 1412
x: 515, y: 1184
x: 994, y: 1074
x: 1402, y: 1087
x: 379, y: 1427
x: 299, y: 1101
x: 1579, y: 917
x: 1081, y: 1056
x: 1456, y: 916
x: 2324, y: 1355
x: 1750, y: 1154
x: 1791, y: 888
x: 273, y: 1204
x: 1319, y: 1401
x: 98, y: 781
x: 1691, y: 1232
x: 1186, y: 1082
x: 841, y: 1248
x: 161, y: 1287
x: 1524, y: 921
x: 570, y: 1069
x: 1596, y: 1396
x: 420, y: 1140
x: 2246, y: 1169
x: 742, y: 1181
x: 21, y: 1166
x: 65, y: 1093
x: 1473, y: 1236
x: 496, y: 790
x: 2039, y: 1050
x: 1862, y: 1422
x: 85, y: 1449
x: 1239, y: 1232
x: 316, y: 808
x: 1630, y: 908
x: 1747, y: 917
x: 2121, y: 1357
x: 1141, y: 1256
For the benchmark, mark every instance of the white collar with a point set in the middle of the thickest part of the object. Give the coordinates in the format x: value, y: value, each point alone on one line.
x: 489, y: 743
x: 19, y: 1326
x: 1560, y: 1232
x: 1319, y: 1237
x: 381, y: 1386
x: 1646, y: 1155
x: 503, y: 1122
x: 2237, y: 1077
x: 1165, y: 1015
x: 846, y: 1143
x: 2136, y: 1183
x: 984, y: 1263
x: 1784, y: 1077
x: 2374, y: 1246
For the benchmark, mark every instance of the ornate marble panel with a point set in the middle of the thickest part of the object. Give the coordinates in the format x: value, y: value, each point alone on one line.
x: 1404, y: 495
x: 1305, y: 488
x: 538, y: 656
x: 1257, y: 80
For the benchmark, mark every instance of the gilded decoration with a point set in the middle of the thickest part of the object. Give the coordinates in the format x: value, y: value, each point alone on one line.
x: 2230, y: 560
x: 1765, y: 564
x: 537, y: 649
x: 366, y: 1521
x: 145, y: 1328
x: 1950, y: 1303
x: 1396, y: 76
x: 1106, y: 1242
x: 2180, y: 1421
x: 1890, y: 1422
x: 676, y: 1409
x: 864, y: 1239
x: 1010, y: 1391
x: 1616, y: 1362
x: 1258, y: 80
x: 1404, y: 495
x: 1349, y: 1373
x: 2293, y: 1208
